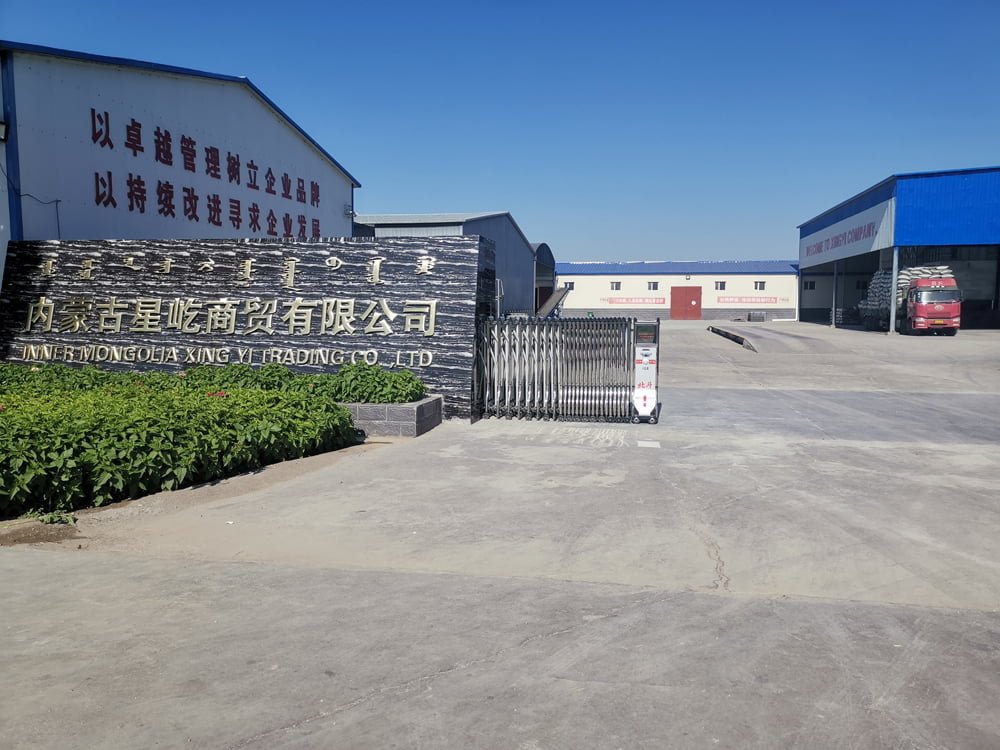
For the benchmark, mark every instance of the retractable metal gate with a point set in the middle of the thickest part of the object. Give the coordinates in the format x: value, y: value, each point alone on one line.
x: 573, y: 369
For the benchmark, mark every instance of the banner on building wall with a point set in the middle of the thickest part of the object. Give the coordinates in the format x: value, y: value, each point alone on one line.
x: 747, y: 300
x: 863, y: 232
x: 634, y: 300
x: 313, y: 306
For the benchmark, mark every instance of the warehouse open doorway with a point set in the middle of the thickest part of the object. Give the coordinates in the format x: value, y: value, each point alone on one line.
x: 922, y: 225
x: 833, y: 292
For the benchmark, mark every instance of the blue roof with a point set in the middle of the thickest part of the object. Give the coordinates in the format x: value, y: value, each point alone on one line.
x: 679, y: 267
x: 86, y: 57
x: 874, y: 195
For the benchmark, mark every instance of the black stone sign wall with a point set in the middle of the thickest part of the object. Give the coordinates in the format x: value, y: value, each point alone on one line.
x: 312, y: 306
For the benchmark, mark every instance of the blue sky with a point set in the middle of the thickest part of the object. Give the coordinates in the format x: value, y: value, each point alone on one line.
x: 612, y: 131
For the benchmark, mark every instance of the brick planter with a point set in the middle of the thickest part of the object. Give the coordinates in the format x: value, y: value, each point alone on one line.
x: 402, y: 420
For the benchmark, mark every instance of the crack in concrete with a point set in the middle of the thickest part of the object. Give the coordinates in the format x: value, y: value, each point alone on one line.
x: 714, y: 554
x: 407, y: 684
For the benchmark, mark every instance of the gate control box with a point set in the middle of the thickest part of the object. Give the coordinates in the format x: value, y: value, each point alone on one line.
x: 645, y: 407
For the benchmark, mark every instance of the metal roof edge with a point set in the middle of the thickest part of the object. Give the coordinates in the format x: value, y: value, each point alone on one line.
x: 512, y: 221
x: 677, y: 267
x: 896, y: 177
x: 161, y: 68
x: 937, y: 173
x: 434, y: 219
x: 653, y: 262
x: 438, y: 220
x: 546, y: 253
x: 843, y: 203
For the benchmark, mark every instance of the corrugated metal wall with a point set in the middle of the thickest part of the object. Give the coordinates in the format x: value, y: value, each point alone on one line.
x: 419, y: 230
x: 949, y: 209
x: 515, y: 261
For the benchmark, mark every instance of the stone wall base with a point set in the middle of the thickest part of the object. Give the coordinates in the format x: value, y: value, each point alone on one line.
x: 398, y: 420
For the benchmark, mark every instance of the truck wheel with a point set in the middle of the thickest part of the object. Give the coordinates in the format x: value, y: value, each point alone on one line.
x: 951, y: 332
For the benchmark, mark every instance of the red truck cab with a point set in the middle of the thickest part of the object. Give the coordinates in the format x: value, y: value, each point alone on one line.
x: 933, y: 305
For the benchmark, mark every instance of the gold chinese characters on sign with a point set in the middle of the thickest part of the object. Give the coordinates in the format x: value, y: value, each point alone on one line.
x: 244, y: 271
x: 295, y: 317
x: 82, y: 313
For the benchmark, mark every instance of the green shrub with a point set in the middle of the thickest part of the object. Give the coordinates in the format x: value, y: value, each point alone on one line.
x: 75, y: 448
x: 363, y: 383
x: 52, y: 378
x: 353, y: 383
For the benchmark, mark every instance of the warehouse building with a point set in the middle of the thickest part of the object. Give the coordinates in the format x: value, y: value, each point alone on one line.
x: 525, y: 272
x: 95, y: 147
x: 681, y: 290
x: 949, y: 218
x: 108, y: 148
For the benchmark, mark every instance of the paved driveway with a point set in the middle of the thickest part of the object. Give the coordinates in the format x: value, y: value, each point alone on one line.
x: 803, y: 553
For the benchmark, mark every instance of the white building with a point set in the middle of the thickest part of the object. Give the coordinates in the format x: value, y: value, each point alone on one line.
x: 681, y: 290
x: 105, y: 148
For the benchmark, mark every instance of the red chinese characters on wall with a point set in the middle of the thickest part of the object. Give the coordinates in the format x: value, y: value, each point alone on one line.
x: 241, y: 215
x: 213, y: 167
x: 133, y: 137
x: 254, y: 214
x: 163, y: 144
x: 190, y: 204
x: 165, y: 199
x: 136, y: 193
x: 100, y: 128
x: 235, y: 214
x: 103, y: 190
x: 233, y: 167
x: 214, y: 205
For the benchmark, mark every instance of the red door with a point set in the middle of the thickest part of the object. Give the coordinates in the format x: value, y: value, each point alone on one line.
x: 685, y: 303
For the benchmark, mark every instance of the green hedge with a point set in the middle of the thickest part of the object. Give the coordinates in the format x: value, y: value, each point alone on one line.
x: 354, y: 383
x: 79, y: 437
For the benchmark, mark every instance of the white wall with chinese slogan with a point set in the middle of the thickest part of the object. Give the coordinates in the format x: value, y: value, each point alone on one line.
x: 132, y: 153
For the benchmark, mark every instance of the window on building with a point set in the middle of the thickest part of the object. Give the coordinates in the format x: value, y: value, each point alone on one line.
x: 759, y: 285
x: 861, y: 285
x: 809, y: 285
x: 569, y: 285
x: 616, y: 286
x: 652, y: 285
x: 720, y: 286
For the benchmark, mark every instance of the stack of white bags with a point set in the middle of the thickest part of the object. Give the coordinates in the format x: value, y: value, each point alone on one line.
x: 880, y: 287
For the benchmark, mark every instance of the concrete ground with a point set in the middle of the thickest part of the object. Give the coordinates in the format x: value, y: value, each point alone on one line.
x: 805, y: 552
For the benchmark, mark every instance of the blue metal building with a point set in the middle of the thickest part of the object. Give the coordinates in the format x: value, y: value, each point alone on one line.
x: 923, y: 218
